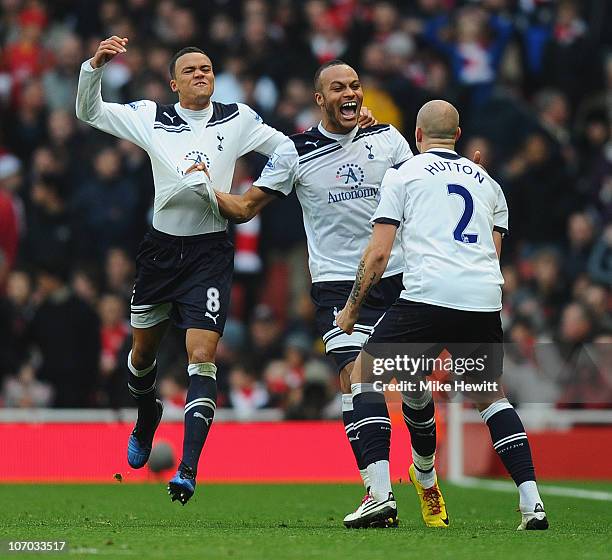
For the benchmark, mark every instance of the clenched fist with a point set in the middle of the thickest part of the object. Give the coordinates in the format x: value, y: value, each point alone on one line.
x: 109, y: 49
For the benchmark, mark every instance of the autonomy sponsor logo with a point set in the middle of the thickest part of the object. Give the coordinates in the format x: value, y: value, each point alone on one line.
x: 195, y: 156
x: 350, y: 175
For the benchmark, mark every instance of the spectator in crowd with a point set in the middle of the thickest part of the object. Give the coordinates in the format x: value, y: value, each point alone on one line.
x: 600, y: 261
x: 534, y: 179
x: 474, y: 44
x: 105, y: 205
x: 548, y: 289
x: 65, y: 332
x: 265, y: 337
x: 10, y: 208
x: 60, y: 80
x: 569, y: 53
x: 527, y: 381
x: 25, y: 55
x: 553, y: 113
x: 174, y: 394
x: 64, y: 141
x: 597, y: 299
x: 119, y: 271
x: 582, y: 380
x: 311, y: 400
x: 25, y: 391
x: 50, y: 230
x: 15, y: 313
x: 229, y: 350
x: 577, y: 327
x: 238, y: 84
x: 282, y: 377
x: 248, y: 264
x: 28, y: 122
x: 45, y: 161
x: 86, y: 284
x: 580, y: 235
x: 247, y: 394
x: 114, y: 331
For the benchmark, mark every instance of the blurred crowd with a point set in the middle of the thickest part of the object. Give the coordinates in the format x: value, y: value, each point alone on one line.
x: 532, y: 80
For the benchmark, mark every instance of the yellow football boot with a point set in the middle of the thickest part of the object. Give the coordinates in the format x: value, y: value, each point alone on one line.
x: 433, y: 507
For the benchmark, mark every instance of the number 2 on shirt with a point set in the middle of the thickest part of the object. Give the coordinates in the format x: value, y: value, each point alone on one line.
x: 459, y: 231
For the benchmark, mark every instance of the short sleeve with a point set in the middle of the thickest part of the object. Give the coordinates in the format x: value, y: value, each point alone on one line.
x: 400, y: 151
x: 500, y: 216
x: 280, y: 173
x: 255, y: 135
x: 392, y: 200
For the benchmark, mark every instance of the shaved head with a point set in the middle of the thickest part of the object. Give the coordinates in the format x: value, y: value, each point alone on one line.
x: 438, y: 120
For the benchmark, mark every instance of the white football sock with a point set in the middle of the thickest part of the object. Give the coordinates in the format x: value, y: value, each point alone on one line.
x: 380, y: 480
x: 427, y: 479
x: 529, y: 496
x: 365, y: 478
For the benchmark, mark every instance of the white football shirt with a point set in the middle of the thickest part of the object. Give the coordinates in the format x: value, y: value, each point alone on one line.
x: 175, y: 138
x: 337, y: 178
x: 447, y: 207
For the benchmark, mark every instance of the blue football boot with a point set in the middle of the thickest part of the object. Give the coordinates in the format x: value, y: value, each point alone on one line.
x: 138, y: 450
x: 183, y: 483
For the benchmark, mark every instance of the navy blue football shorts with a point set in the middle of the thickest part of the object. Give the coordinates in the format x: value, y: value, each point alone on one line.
x: 184, y: 278
x: 330, y: 297
x: 420, y: 329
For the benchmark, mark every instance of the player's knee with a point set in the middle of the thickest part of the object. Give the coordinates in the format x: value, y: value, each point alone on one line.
x: 345, y: 379
x: 417, y: 400
x: 362, y: 370
x: 200, y: 356
x: 141, y: 358
x: 345, y: 384
x: 482, y: 401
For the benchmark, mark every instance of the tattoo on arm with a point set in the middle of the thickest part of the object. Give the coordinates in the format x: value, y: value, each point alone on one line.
x: 357, y: 296
x: 358, y: 282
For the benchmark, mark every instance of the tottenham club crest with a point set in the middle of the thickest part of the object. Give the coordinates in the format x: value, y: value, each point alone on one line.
x: 195, y: 156
x: 350, y: 174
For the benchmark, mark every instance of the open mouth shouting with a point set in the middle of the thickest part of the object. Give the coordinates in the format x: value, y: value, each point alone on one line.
x: 348, y: 110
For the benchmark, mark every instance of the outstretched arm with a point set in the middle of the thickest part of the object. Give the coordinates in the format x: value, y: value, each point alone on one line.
x: 132, y: 121
x: 242, y: 208
x: 370, y: 271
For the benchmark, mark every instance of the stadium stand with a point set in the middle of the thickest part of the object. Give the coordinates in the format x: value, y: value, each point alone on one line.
x: 532, y: 80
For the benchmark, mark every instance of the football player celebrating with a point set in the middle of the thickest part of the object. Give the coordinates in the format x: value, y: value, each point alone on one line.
x: 337, y: 168
x: 185, y: 263
x: 452, y: 216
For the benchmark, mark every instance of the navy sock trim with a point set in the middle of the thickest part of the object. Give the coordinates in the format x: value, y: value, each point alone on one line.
x: 199, y: 413
x: 373, y: 426
x: 511, y: 444
x: 421, y: 424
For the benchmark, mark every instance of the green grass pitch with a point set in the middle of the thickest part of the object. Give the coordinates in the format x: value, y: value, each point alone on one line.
x: 248, y: 522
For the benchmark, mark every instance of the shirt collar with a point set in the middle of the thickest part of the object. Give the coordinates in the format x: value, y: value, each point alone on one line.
x: 201, y: 115
x: 338, y: 137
